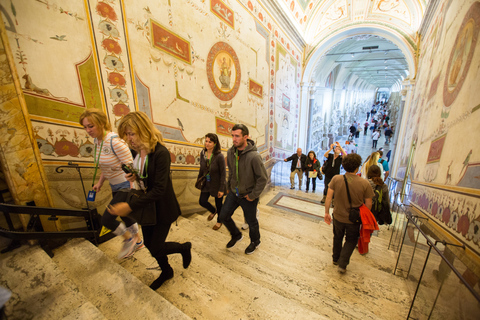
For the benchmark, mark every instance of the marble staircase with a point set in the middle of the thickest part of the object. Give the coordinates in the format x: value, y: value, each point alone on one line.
x: 290, y: 276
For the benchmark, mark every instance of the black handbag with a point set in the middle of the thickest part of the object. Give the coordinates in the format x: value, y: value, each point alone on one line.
x: 354, y: 213
x: 201, y: 181
x: 145, y: 216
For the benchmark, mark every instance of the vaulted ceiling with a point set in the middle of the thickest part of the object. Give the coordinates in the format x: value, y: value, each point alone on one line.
x: 335, y: 32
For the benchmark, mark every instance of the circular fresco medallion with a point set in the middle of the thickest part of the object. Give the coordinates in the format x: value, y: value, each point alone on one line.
x: 223, y: 71
x: 462, y: 54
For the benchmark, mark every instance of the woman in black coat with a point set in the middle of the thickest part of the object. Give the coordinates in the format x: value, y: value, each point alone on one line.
x: 212, y: 164
x: 313, y: 165
x: 152, y: 173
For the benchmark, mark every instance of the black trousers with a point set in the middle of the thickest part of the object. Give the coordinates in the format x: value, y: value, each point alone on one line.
x: 203, y: 201
x: 343, y: 251
x: 154, y: 238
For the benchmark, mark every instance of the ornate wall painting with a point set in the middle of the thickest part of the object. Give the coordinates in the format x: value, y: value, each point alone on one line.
x: 470, y: 176
x: 223, y: 12
x: 255, y: 88
x: 285, y: 102
x: 223, y: 127
x: 461, y: 57
x: 42, y: 104
x: 454, y: 210
x: 169, y: 42
x: 436, y: 148
x: 223, y: 71
x: 144, y: 105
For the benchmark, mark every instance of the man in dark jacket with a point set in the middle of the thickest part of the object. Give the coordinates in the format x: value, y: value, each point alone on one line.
x: 247, y: 178
x: 298, y: 167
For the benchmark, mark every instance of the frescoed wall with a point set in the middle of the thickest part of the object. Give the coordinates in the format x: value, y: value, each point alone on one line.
x: 193, y: 66
x: 444, y: 110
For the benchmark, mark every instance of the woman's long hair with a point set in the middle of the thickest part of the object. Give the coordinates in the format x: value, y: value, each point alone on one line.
x: 214, y: 138
x: 314, y: 155
x: 374, y: 173
x: 98, y: 118
x: 141, y: 125
x: 373, y: 160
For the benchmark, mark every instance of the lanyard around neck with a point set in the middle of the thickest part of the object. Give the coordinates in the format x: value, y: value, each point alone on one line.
x: 146, y: 166
x: 236, y: 165
x: 96, y: 161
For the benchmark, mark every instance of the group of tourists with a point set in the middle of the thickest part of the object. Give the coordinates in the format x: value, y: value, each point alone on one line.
x: 136, y: 164
x: 362, y: 188
x: 136, y: 159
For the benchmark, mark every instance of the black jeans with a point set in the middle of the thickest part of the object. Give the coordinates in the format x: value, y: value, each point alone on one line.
x: 203, y: 201
x: 232, y: 202
x: 374, y: 143
x: 314, y: 183
x: 327, y: 181
x: 351, y: 232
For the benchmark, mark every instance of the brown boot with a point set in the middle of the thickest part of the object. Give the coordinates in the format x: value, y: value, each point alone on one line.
x: 323, y: 199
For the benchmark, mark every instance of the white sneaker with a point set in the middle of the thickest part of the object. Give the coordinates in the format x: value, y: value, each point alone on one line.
x: 245, y: 226
x: 128, y: 248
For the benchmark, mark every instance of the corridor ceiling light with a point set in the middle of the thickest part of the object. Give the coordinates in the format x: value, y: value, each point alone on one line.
x: 386, y: 51
x: 385, y: 61
x: 353, y: 55
x: 386, y: 67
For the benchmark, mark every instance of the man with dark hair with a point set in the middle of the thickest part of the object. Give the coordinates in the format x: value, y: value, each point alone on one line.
x: 359, y: 190
x: 298, y: 167
x: 246, y: 180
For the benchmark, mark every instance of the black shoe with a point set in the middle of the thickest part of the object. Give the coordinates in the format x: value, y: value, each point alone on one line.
x: 187, y: 254
x: 306, y: 191
x: 164, y: 276
x: 291, y: 188
x: 234, y: 240
x: 252, y: 247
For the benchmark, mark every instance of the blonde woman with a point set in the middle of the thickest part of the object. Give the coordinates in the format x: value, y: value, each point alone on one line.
x: 109, y: 154
x: 371, y: 160
x: 152, y: 166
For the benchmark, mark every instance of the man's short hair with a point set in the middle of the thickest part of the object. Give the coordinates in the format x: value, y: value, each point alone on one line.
x: 242, y: 127
x: 380, y: 152
x: 351, y: 162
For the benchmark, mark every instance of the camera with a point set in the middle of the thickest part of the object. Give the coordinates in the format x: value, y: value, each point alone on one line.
x: 127, y: 169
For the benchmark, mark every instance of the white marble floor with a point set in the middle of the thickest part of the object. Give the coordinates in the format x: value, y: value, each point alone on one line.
x: 290, y: 276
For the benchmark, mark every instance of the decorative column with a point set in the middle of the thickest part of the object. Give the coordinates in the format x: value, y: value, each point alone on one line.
x: 19, y: 155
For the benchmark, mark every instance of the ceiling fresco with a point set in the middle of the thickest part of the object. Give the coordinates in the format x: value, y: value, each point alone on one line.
x: 306, y: 13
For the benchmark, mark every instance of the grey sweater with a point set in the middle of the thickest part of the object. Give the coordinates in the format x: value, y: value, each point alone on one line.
x: 252, y: 175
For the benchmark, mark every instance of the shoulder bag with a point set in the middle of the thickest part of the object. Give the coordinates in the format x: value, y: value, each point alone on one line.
x: 354, y: 213
x: 202, y: 180
x: 145, y: 216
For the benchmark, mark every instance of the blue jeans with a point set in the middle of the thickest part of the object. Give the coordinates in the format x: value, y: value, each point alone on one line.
x: 232, y: 202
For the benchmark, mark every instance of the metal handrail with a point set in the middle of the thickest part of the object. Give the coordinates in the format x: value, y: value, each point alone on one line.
x: 411, y: 219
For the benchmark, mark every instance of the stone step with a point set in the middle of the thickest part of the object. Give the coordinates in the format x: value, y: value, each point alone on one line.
x: 40, y: 290
x: 292, y: 270
x: 113, y: 290
x: 209, y: 290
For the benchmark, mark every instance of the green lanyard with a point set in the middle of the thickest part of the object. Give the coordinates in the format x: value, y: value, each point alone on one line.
x: 96, y: 161
x: 236, y: 165
x: 146, y: 167
x: 209, y: 162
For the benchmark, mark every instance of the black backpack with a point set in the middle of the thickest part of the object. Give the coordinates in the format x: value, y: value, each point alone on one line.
x: 380, y: 207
